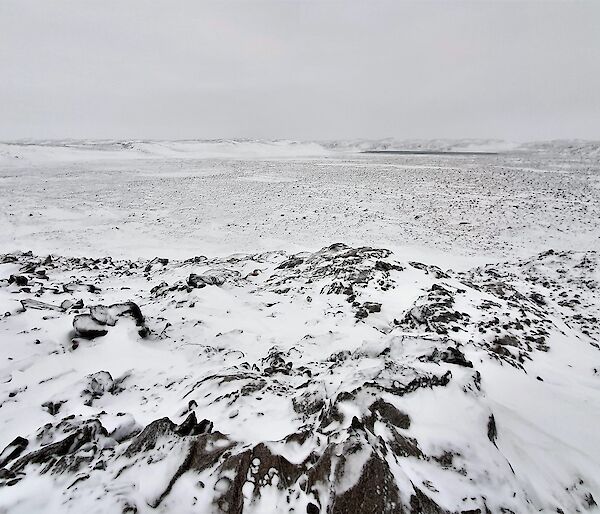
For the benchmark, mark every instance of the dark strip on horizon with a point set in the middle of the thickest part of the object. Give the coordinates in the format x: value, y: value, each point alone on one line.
x: 426, y: 152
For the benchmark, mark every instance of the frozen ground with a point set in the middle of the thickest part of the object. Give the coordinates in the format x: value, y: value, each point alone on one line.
x: 285, y: 380
x: 179, y: 200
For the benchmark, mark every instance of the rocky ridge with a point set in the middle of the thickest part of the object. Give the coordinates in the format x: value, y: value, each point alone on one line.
x: 327, y: 382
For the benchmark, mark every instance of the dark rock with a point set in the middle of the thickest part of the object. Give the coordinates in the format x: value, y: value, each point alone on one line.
x: 269, y: 465
x: 109, y: 315
x: 187, y: 426
x: 311, y: 508
x: 361, y: 313
x: 425, y: 381
x: 71, y: 304
x: 205, y: 451
x: 450, y: 355
x: 144, y: 332
x: 435, y: 312
x: 52, y: 407
x: 420, y: 503
x: 37, y: 305
x: 492, y: 432
x: 20, y: 280
x: 507, y: 340
x: 88, y: 327
x: 308, y: 403
x: 290, y: 263
x: 147, y: 439
x: 538, y: 298
x: 156, y: 260
x: 276, y: 363
x: 386, y: 266
x: 390, y: 413
x: 73, y: 287
x: 372, y: 307
x: 160, y: 289
x: 445, y: 459
x: 203, y: 427
x: 98, y: 384
x: 48, y: 454
x: 7, y: 475
x: 434, y: 270
x: 375, y: 476
x: 589, y: 500
x: 100, y: 317
x: 211, y: 278
x: 13, y: 450
x: 404, y: 446
x: 337, y: 287
x: 191, y: 426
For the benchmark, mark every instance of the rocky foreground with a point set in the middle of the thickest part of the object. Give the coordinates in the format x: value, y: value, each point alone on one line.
x: 340, y: 381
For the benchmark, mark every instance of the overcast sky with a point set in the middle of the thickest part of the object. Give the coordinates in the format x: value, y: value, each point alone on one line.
x: 299, y: 69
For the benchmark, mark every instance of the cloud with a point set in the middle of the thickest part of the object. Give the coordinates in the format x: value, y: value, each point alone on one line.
x: 299, y: 69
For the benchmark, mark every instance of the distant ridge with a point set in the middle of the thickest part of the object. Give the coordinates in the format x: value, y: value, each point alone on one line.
x: 427, y: 152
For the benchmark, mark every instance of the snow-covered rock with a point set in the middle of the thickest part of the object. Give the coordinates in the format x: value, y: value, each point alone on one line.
x: 335, y: 381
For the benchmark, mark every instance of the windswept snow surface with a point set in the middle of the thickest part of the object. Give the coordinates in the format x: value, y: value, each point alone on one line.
x: 297, y: 375
x: 176, y: 199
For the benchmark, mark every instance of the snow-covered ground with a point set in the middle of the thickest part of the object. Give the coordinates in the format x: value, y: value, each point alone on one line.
x: 298, y: 375
x: 166, y: 199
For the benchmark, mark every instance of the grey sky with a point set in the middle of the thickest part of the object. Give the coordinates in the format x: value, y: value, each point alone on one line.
x: 299, y: 69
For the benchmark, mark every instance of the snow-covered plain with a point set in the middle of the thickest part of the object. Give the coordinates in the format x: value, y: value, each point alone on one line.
x: 182, y: 332
x: 182, y: 199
